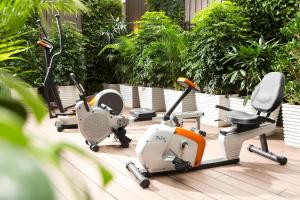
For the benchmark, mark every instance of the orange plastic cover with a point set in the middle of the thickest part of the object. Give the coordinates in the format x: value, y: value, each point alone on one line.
x: 187, y: 81
x: 42, y: 43
x: 199, y: 139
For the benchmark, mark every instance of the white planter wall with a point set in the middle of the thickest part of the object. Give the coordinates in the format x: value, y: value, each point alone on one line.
x: 130, y: 95
x: 207, y: 104
x: 291, y: 122
x: 68, y: 95
x: 111, y: 86
x: 152, y: 98
x: 236, y: 103
x: 188, y: 103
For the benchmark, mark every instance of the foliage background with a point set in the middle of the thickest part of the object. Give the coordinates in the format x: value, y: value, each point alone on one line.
x: 101, y: 26
x: 267, y: 17
x: 217, y: 29
x: 173, y: 8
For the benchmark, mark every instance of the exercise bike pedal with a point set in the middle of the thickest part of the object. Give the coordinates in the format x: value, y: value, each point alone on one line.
x: 181, y: 165
x: 203, y: 133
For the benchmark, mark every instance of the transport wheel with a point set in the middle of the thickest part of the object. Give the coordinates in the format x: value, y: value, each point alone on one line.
x: 94, y: 148
x: 60, y: 129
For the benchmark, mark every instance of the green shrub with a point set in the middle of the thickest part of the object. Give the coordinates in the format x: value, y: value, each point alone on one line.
x: 152, y: 56
x: 102, y: 26
x: 72, y: 59
x: 160, y: 46
x: 218, y: 28
x: 124, y: 54
x: 288, y: 61
x: 151, y: 26
x: 161, y: 62
x: 268, y: 16
x: 30, y: 68
x: 173, y: 8
x: 251, y: 63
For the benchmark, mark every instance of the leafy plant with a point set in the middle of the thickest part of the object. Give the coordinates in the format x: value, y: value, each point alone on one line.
x: 102, y: 26
x: 267, y: 17
x: 160, y: 45
x: 218, y: 28
x: 124, y: 54
x: 20, y: 158
x: 29, y: 68
x: 251, y: 63
x: 149, y: 56
x: 288, y: 60
x: 173, y: 8
x: 161, y: 62
x: 72, y: 58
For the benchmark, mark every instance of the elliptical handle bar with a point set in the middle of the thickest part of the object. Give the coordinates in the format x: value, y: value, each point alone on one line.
x: 58, y: 25
x: 39, y: 23
x: 60, y: 48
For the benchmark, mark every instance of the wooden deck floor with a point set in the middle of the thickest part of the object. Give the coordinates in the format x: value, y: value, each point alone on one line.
x: 253, y: 178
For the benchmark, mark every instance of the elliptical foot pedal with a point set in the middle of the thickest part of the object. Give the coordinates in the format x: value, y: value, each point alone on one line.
x: 142, y: 114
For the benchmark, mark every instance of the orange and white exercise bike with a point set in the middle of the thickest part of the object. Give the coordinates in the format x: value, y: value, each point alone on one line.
x: 167, y: 148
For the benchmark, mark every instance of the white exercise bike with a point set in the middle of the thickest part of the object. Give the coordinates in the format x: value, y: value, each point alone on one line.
x: 165, y: 148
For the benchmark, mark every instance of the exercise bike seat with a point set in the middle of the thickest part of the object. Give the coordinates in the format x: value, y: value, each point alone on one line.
x: 238, y: 117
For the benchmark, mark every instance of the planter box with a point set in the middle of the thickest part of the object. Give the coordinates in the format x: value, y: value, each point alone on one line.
x: 188, y: 103
x: 111, y: 86
x: 152, y: 98
x: 291, y: 121
x: 68, y: 95
x: 130, y: 95
x: 207, y: 104
x: 237, y: 103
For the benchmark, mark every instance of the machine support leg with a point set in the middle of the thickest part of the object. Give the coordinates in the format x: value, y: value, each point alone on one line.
x: 263, y: 142
x: 264, y: 151
x: 143, y: 181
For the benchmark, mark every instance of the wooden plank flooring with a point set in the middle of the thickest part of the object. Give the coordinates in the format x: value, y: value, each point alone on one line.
x: 254, y: 178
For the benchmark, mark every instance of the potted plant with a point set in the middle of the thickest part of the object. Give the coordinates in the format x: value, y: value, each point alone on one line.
x: 210, y: 41
x: 291, y: 114
x: 251, y: 62
x: 288, y: 61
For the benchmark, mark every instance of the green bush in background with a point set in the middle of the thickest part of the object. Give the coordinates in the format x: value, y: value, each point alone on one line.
x: 268, y: 16
x: 251, y: 62
x: 160, y: 45
x: 173, y: 8
x: 288, y: 60
x: 29, y: 69
x: 154, y: 55
x: 102, y: 25
x: 72, y: 59
x: 218, y: 28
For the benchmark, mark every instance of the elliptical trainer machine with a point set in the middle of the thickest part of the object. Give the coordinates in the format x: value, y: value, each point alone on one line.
x: 49, y: 89
x: 164, y: 148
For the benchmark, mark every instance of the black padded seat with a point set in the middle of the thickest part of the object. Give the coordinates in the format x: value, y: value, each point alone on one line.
x: 238, y: 117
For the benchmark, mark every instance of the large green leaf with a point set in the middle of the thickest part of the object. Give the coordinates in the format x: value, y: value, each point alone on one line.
x: 11, y: 127
x: 57, y: 150
x: 27, y: 95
